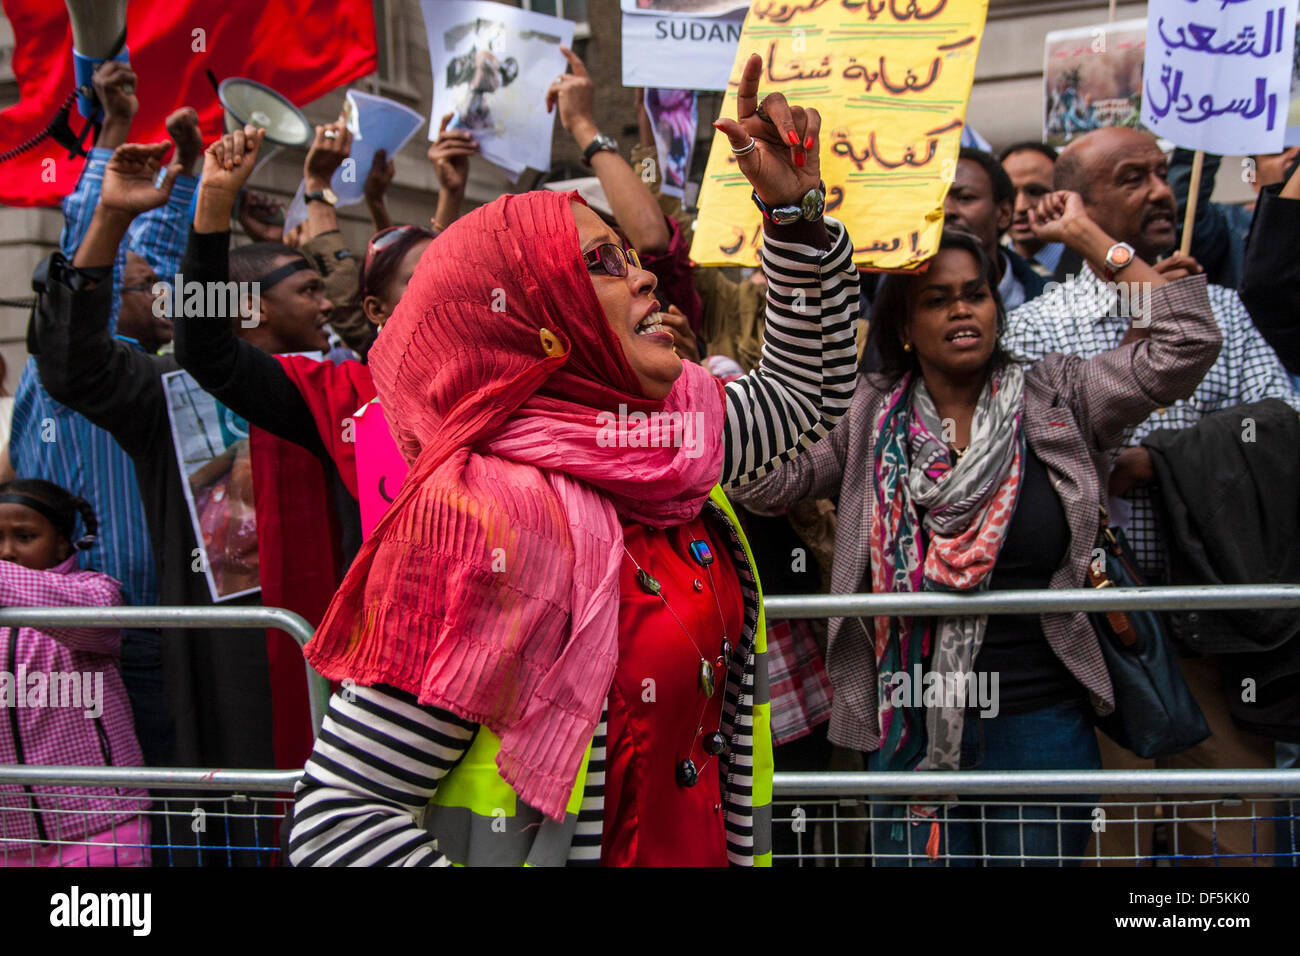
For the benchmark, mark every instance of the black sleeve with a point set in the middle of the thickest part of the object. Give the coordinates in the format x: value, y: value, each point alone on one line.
x: 85, y: 368
x: 1270, y: 283
x: 241, y: 376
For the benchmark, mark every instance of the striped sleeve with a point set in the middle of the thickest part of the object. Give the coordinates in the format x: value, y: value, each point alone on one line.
x: 585, y: 850
x: 373, y: 769
x: 804, y: 383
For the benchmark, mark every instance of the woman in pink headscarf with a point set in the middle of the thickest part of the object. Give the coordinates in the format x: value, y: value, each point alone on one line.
x: 552, y: 642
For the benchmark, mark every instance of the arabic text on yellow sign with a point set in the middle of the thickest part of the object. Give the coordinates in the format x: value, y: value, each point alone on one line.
x: 891, y: 79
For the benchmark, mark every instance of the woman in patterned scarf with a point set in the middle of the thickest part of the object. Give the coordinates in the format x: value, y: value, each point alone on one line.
x: 960, y: 469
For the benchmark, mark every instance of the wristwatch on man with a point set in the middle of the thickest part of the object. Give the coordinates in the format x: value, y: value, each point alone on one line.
x: 1117, y: 257
x: 325, y: 195
x: 598, y: 143
x: 810, y: 208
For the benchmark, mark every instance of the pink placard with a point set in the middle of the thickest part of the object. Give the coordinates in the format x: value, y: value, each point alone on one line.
x: 380, y: 466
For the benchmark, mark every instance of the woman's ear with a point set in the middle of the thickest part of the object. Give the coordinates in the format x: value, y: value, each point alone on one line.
x: 374, y: 310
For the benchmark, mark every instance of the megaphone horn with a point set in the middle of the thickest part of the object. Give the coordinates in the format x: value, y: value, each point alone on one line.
x: 249, y: 102
x: 97, y: 26
x: 98, y: 34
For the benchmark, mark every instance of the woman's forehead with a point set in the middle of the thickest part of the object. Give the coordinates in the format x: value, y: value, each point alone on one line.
x: 12, y: 513
x: 948, y: 266
x: 591, y: 228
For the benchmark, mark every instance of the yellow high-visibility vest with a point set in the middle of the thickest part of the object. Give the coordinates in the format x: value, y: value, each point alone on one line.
x: 478, y: 820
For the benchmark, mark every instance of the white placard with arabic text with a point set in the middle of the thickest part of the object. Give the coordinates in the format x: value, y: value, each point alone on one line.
x: 1218, y: 73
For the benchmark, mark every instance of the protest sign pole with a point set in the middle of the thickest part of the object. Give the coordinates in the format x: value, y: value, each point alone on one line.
x: 1193, y: 190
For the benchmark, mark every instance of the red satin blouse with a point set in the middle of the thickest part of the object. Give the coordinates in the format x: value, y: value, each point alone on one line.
x: 656, y: 706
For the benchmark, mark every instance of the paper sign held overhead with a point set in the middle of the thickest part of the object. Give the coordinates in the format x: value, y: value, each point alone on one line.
x: 375, y: 123
x: 891, y: 80
x: 492, y: 65
x: 680, y: 45
x: 1218, y: 74
x: 1092, y: 77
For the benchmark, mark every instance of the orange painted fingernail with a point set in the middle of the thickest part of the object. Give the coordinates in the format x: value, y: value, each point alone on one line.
x: 793, y: 137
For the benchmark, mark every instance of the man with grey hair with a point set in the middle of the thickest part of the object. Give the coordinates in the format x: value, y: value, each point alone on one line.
x: 1122, y: 176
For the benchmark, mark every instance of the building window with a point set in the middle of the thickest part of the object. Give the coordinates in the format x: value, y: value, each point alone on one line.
x: 383, y: 37
x: 575, y: 10
x: 391, y: 76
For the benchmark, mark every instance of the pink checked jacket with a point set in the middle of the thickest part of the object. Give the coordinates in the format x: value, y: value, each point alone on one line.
x: 1076, y: 412
x: 61, y: 695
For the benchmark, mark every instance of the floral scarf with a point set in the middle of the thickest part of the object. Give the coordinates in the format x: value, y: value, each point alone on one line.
x: 952, y: 547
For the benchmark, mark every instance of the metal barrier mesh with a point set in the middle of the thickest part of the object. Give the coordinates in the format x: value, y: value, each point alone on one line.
x: 238, y: 828
x: 221, y: 829
x: 1133, y: 831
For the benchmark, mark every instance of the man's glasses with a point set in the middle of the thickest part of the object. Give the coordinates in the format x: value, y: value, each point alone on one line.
x: 611, y: 259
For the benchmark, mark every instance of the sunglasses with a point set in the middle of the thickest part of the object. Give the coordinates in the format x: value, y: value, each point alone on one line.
x: 611, y: 259
x: 383, y: 239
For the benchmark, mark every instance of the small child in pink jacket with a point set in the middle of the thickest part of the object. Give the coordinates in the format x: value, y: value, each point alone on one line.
x: 62, y: 701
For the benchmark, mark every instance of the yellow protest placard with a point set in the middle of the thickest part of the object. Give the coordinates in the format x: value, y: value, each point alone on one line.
x: 891, y: 79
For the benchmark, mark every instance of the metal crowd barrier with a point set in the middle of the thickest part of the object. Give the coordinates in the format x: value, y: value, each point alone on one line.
x: 1232, y: 816
x: 1165, y: 598
x: 167, y: 618
x: 233, y: 817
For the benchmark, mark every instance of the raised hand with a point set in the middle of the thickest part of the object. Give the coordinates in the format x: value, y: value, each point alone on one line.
x: 135, y: 180
x: 183, y: 128
x: 258, y: 214
x: 332, y: 145
x: 382, y: 171
x: 785, y: 163
x: 1060, y: 217
x: 114, y: 83
x: 450, y: 154
x: 229, y: 161
x: 574, y: 94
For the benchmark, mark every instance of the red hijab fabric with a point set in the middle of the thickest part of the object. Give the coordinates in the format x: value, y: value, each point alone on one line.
x: 490, y: 587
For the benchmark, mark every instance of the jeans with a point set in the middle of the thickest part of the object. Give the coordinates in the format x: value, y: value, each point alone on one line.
x: 143, y: 677
x: 1050, y: 738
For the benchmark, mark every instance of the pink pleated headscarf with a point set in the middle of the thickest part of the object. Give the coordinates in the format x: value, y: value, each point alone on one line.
x: 490, y: 587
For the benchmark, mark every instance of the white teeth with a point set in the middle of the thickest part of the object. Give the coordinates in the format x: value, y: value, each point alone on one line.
x: 962, y: 335
x: 650, y: 324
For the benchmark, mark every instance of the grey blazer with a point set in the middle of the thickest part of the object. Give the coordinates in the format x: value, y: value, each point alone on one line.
x: 1076, y: 412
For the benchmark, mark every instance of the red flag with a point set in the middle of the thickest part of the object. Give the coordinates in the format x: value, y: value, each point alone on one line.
x: 301, y: 48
